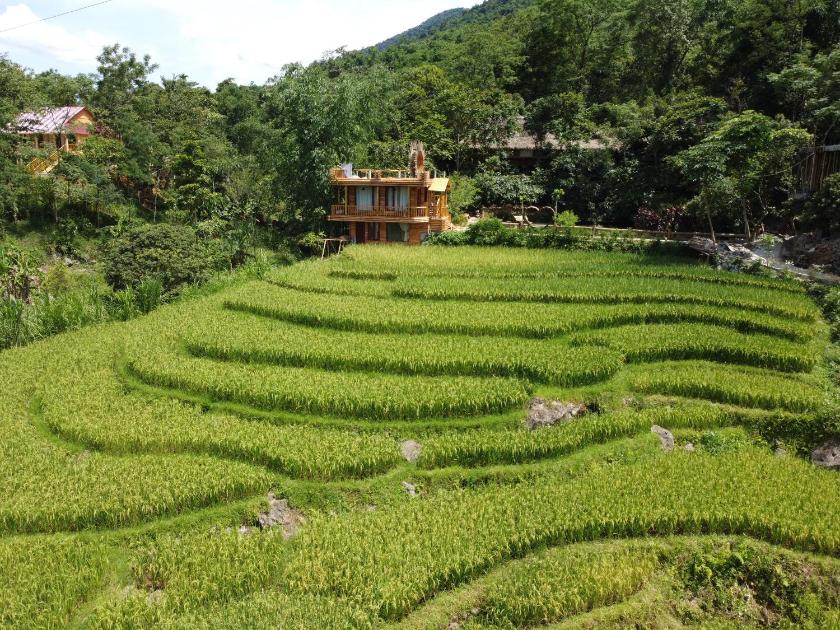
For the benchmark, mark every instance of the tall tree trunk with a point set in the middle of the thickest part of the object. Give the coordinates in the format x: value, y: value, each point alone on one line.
x: 711, y: 226
x: 747, y: 231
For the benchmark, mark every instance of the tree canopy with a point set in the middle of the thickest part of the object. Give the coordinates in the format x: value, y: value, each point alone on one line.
x: 634, y: 104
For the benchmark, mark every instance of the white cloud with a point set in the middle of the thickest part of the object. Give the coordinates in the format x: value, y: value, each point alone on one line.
x: 252, y: 39
x: 210, y: 40
x: 47, y: 39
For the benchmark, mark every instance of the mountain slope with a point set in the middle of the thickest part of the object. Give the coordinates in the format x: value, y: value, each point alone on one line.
x: 441, y: 39
x: 435, y: 23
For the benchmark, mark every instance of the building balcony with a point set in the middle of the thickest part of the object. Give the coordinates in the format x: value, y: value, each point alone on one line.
x: 382, y: 177
x: 420, y: 214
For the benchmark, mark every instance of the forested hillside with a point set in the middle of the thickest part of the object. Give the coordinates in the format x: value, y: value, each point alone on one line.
x: 704, y: 104
x: 442, y: 20
x: 660, y: 113
x: 701, y: 103
x: 540, y: 427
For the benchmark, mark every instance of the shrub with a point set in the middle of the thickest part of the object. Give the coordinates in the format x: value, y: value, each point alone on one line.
x: 14, y: 330
x: 486, y: 232
x: 493, y: 232
x: 172, y: 254
x: 464, y: 196
x: 64, y: 236
x: 822, y: 211
x: 451, y: 239
x: 566, y: 219
x: 659, y: 219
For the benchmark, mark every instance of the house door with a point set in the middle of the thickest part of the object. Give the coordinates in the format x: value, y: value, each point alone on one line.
x: 361, y: 233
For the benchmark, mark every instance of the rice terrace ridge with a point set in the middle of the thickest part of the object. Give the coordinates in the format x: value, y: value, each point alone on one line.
x: 525, y: 318
x: 167, y: 434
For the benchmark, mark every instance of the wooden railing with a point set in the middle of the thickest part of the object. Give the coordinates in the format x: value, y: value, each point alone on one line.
x: 374, y: 174
x: 44, y: 165
x: 419, y: 212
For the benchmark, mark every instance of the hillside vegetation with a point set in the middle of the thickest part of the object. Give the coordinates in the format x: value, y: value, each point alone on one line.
x: 660, y: 113
x: 139, y: 457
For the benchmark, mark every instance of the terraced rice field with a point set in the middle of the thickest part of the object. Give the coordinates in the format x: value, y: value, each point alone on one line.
x: 138, y: 458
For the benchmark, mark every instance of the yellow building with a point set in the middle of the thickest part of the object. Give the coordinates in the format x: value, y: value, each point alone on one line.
x: 56, y: 129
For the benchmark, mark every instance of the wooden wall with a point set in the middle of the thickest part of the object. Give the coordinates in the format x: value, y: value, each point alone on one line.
x: 415, y: 232
x: 817, y: 166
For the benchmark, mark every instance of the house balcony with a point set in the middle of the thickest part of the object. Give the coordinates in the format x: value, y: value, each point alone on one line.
x: 419, y: 214
x: 382, y: 177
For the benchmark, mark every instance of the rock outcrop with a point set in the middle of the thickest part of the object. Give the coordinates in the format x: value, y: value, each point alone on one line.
x: 547, y: 413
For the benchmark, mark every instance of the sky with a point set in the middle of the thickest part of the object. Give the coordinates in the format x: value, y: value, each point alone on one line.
x: 209, y: 40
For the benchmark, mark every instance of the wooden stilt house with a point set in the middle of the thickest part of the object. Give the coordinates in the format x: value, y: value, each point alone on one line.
x: 379, y: 206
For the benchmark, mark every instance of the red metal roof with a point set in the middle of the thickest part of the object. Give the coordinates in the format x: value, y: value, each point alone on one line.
x: 52, y: 120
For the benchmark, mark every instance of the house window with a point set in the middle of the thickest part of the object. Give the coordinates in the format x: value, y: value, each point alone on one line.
x: 373, y: 231
x: 364, y: 198
x: 398, y: 232
x: 398, y: 197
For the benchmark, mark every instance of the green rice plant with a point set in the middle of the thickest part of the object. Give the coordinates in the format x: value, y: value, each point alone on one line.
x: 390, y: 262
x: 511, y: 446
x: 110, y: 431
x: 585, y: 284
x: 270, y: 609
x: 106, y: 492
x: 694, y: 273
x: 390, y: 560
x: 302, y: 390
x: 233, y: 336
x: 313, y: 277
x: 380, y: 315
x: 135, y: 424
x: 86, y: 402
x: 194, y: 579
x: 748, y: 387
x: 52, y: 486
x: 564, y: 582
x: 44, y: 581
x: 647, y: 343
x: 610, y: 291
x: 708, y: 575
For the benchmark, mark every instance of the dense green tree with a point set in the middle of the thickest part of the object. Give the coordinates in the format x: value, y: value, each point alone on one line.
x: 810, y: 90
x: 744, y: 168
x: 57, y: 89
x: 624, y: 86
x: 563, y: 115
x: 567, y: 43
x: 318, y: 123
x: 122, y: 83
x: 662, y: 34
x: 450, y: 118
x: 17, y: 96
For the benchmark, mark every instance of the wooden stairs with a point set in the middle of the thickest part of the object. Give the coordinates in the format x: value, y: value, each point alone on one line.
x: 42, y: 166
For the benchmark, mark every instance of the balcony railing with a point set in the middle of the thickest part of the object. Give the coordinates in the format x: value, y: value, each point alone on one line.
x: 378, y: 174
x: 419, y: 212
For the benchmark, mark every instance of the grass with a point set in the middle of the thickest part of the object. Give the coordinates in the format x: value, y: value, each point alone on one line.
x: 133, y: 452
